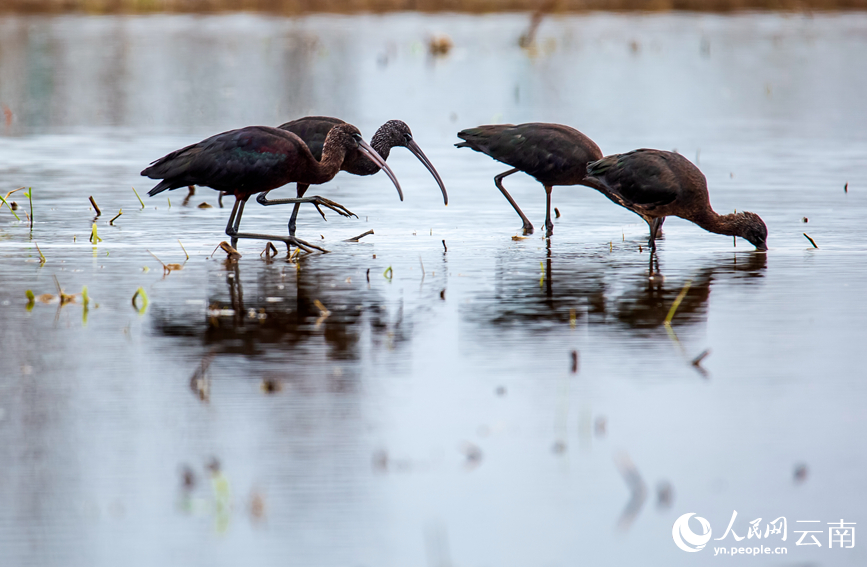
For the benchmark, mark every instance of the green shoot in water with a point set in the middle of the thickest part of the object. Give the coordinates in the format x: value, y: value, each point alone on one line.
x: 139, y: 198
x: 10, y: 208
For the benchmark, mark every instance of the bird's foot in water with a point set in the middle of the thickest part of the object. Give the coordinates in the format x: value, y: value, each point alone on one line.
x: 289, y: 240
x: 549, y: 229
x: 316, y: 201
x: 528, y: 229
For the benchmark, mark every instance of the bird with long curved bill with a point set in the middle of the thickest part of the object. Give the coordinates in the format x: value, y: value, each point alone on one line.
x: 553, y: 154
x: 254, y: 159
x: 314, y: 130
x: 655, y: 184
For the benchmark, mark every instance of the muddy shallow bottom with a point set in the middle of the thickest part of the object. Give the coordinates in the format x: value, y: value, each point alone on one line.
x: 318, y: 412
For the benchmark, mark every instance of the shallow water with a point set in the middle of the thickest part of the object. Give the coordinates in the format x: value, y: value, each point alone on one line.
x: 432, y: 418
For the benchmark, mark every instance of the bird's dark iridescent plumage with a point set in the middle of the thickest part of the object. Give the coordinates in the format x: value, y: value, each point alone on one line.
x: 250, y: 160
x: 314, y: 129
x: 655, y: 184
x: 553, y: 154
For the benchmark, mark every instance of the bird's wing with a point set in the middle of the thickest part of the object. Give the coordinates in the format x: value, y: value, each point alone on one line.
x: 313, y: 130
x: 229, y: 161
x: 639, y: 180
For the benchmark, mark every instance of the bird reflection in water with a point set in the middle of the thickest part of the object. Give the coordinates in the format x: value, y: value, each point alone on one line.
x: 288, y: 321
x: 600, y: 289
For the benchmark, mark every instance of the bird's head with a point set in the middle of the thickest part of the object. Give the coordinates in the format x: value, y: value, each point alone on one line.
x: 753, y: 228
x: 392, y: 133
x: 344, y: 135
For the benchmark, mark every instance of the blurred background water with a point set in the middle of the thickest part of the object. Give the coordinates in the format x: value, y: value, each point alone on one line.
x: 433, y: 417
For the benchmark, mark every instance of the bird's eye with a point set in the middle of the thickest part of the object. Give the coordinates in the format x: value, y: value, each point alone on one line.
x: 407, y: 137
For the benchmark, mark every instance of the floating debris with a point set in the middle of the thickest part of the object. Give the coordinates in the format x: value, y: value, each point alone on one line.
x: 184, y: 249
x: 558, y: 448
x: 267, y: 252
x: 368, y: 275
x: 95, y: 206
x: 600, y: 427
x: 556, y: 213
x: 813, y: 242
x: 31, y: 299
x: 139, y: 198
x: 805, y: 219
x: 169, y: 268
x: 8, y: 205
x: 41, y: 256
x: 443, y: 295
x: 270, y: 386
x: 388, y: 273
x: 472, y: 453
x: 323, y: 313
x: 439, y: 45
x: 516, y: 237
x: 846, y: 187
x: 696, y: 362
x: 664, y: 494
x: 200, y: 384
x: 445, y: 248
x: 800, y: 474
x: 574, y: 356
x: 94, y: 237
x: 233, y: 254
x: 143, y: 296
x: 204, y: 205
x: 359, y: 237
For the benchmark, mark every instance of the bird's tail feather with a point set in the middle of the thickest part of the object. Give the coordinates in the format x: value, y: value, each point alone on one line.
x: 161, y: 186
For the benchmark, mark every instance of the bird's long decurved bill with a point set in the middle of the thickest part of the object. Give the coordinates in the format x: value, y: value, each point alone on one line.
x: 377, y: 159
x: 416, y: 150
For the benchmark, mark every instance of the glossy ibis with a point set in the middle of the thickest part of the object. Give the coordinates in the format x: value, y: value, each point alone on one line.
x: 551, y: 153
x: 314, y: 129
x: 260, y: 158
x: 655, y: 184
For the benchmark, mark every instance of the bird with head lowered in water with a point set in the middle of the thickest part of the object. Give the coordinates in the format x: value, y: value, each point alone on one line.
x: 655, y: 184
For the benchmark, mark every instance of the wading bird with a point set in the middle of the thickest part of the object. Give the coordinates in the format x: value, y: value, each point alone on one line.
x: 314, y: 129
x: 260, y: 158
x: 551, y: 153
x: 655, y: 184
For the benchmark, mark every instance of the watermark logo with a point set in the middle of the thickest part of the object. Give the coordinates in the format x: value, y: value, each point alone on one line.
x: 685, y: 538
x: 841, y: 535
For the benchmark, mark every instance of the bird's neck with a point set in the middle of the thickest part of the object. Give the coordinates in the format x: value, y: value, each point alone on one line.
x: 719, y: 224
x: 326, y: 168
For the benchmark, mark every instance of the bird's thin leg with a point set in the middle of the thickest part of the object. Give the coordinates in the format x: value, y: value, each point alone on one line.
x: 659, y: 220
x: 300, y: 188
x: 549, y: 224
x: 288, y: 240
x: 315, y: 200
x: 498, y: 181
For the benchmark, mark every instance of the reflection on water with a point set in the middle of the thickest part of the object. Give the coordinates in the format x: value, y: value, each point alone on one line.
x: 603, y: 290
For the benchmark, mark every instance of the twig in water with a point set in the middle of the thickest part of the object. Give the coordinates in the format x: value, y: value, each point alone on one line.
x: 184, y: 249
x: 41, y: 256
x: 323, y: 313
x: 696, y: 362
x: 114, y: 218
x: 422, y: 267
x: 139, y: 198
x: 813, y: 242
x: 445, y: 248
x: 368, y: 275
x: 268, y: 249
x: 676, y: 303
x: 846, y: 187
x: 95, y: 206
x: 167, y: 268
x: 233, y: 254
x: 359, y: 237
x: 94, y: 237
x: 10, y: 208
x: 556, y: 213
x: 574, y: 356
